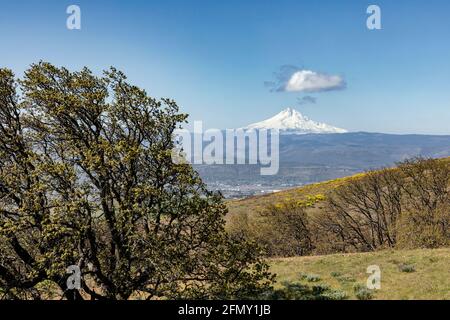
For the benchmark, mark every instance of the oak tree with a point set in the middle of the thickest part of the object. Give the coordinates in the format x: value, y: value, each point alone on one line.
x: 87, y: 179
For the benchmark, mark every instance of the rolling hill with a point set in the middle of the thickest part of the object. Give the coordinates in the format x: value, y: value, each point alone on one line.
x: 405, y: 274
x: 256, y: 203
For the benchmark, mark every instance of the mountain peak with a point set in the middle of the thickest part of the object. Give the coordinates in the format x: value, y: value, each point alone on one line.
x: 291, y: 112
x: 292, y: 121
x: 288, y: 110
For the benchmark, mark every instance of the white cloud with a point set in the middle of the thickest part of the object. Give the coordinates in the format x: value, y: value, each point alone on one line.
x: 311, y: 81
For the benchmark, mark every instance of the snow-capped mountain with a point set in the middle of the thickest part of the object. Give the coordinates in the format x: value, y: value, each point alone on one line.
x: 290, y: 121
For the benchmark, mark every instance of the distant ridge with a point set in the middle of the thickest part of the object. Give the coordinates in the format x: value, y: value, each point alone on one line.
x: 291, y: 121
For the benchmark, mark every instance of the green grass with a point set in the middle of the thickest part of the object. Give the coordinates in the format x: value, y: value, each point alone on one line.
x: 430, y: 279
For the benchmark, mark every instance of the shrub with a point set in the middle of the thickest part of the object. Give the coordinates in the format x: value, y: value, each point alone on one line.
x: 282, y: 229
x: 425, y: 228
x: 362, y: 292
x: 345, y: 279
x: 407, y: 207
x: 335, y: 295
x: 298, y: 291
x: 408, y: 268
x: 335, y: 274
x: 312, y: 278
x: 361, y: 208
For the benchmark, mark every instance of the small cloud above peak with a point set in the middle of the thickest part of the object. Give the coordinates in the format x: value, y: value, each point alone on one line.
x: 311, y: 81
x: 293, y: 79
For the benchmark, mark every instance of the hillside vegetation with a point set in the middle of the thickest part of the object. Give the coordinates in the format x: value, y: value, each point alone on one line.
x: 405, y: 274
x: 259, y: 202
x: 405, y: 207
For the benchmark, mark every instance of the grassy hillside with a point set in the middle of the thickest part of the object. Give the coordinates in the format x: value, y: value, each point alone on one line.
x: 406, y: 274
x: 428, y: 276
x: 252, y: 204
x: 256, y: 203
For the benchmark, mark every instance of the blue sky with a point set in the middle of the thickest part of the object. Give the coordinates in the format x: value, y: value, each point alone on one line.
x: 214, y: 57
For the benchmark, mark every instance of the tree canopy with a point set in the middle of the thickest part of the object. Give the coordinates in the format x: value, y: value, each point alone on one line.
x: 87, y: 179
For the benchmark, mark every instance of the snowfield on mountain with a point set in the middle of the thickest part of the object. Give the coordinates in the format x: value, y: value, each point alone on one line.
x: 291, y: 121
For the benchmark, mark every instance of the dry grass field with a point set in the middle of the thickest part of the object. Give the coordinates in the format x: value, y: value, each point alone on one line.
x: 405, y: 274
